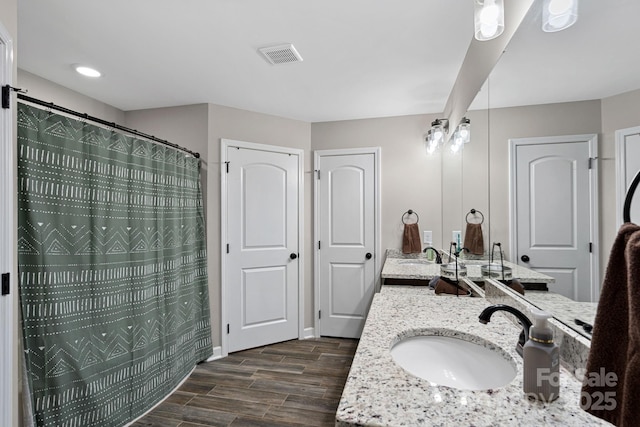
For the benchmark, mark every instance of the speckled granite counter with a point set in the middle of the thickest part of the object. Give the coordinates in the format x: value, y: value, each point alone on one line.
x: 398, y: 266
x: 380, y: 393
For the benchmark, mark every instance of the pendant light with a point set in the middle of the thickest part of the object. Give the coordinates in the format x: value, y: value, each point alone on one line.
x: 558, y: 15
x: 488, y: 19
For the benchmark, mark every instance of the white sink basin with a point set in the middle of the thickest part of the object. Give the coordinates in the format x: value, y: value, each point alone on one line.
x: 413, y: 262
x: 454, y: 362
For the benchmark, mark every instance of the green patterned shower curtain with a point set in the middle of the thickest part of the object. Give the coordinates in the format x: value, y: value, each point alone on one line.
x: 112, y: 263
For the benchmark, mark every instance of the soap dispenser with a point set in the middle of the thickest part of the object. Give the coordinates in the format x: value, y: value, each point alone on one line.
x: 541, y: 360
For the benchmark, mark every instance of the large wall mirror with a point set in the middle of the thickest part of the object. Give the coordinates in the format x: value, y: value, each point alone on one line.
x: 583, y: 81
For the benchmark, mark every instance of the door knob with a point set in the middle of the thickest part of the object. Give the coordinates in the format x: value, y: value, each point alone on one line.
x: 368, y: 255
x: 525, y: 258
x: 293, y: 256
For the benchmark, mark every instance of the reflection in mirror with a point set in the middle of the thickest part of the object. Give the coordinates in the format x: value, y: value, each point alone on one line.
x: 575, y: 82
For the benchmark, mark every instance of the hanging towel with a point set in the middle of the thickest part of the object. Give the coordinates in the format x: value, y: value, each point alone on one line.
x: 411, y: 239
x: 615, y: 345
x: 473, y: 239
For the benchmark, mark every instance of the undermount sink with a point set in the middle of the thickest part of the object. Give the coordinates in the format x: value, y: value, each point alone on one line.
x: 454, y: 362
x: 413, y: 262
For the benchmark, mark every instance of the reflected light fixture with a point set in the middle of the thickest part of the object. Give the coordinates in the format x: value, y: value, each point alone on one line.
x: 488, y: 17
x: 87, y: 71
x: 462, y: 135
x: 558, y: 15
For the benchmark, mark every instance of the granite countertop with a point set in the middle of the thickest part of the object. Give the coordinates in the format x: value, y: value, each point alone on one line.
x: 396, y: 267
x: 380, y: 393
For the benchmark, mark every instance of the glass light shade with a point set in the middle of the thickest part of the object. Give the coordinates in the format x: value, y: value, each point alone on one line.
x: 488, y: 19
x: 464, y: 130
x: 558, y: 15
x: 437, y: 132
x: 456, y: 144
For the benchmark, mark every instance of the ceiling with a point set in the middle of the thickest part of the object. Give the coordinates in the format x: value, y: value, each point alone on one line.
x: 362, y: 58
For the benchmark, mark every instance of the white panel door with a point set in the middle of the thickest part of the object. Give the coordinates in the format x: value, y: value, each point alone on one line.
x: 627, y: 166
x: 347, y: 242
x: 262, y: 260
x: 553, y: 205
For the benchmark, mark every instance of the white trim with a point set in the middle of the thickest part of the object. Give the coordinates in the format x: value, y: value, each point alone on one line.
x: 217, y: 354
x: 621, y: 170
x: 594, y: 258
x: 8, y: 303
x: 309, y: 333
x: 378, y: 257
x: 224, y: 144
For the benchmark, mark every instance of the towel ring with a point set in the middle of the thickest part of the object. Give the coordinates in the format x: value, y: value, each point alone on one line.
x: 626, y: 212
x: 408, y: 213
x: 473, y: 212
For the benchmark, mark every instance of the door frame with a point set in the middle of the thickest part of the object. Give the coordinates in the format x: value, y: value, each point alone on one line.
x: 224, y: 145
x: 594, y: 220
x: 9, y: 303
x: 377, y: 259
x: 621, y: 170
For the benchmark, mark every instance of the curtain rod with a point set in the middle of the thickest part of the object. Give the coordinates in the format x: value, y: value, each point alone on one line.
x: 105, y: 123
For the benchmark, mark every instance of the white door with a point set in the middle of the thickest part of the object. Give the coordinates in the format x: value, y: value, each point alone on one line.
x: 627, y: 166
x: 346, y: 229
x: 554, y: 211
x: 8, y: 248
x: 262, y: 259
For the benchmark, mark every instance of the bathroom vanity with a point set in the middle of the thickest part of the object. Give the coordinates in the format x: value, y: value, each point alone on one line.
x: 378, y: 392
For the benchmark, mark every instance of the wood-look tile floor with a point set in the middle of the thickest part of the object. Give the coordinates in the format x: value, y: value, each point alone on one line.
x: 294, y: 383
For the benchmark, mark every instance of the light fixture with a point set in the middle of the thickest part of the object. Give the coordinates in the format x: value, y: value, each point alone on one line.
x: 462, y: 135
x: 558, y: 15
x: 87, y: 71
x: 436, y: 134
x: 488, y: 19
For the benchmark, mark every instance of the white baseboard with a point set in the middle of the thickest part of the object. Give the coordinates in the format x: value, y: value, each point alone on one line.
x: 217, y: 354
x: 309, y: 333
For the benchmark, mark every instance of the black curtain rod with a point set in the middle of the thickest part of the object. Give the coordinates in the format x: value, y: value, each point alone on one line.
x: 105, y: 123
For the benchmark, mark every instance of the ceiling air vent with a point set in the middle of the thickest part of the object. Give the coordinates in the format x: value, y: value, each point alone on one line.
x: 281, y: 54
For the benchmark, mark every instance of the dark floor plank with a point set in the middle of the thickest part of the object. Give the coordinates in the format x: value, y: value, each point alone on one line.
x: 293, y: 383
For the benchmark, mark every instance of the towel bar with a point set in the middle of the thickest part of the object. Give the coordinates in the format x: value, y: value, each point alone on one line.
x: 473, y: 212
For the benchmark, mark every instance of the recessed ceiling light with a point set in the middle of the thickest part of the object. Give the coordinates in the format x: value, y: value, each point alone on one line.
x: 87, y: 71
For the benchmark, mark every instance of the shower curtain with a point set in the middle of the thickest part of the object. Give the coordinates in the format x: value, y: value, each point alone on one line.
x: 112, y: 266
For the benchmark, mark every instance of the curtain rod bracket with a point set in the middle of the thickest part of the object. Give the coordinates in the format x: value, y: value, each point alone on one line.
x: 6, y: 94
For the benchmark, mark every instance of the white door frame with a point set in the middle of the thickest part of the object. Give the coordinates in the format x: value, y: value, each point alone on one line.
x: 593, y: 199
x: 224, y: 144
x: 621, y: 170
x: 8, y: 259
x: 316, y: 221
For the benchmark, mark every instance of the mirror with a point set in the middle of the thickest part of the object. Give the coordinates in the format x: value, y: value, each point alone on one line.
x: 579, y: 81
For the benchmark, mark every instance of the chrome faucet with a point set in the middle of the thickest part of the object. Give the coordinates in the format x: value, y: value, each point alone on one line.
x: 438, y: 257
x: 485, y: 317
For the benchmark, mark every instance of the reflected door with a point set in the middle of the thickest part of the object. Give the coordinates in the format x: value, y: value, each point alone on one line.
x: 553, y: 211
x: 262, y: 255
x: 347, y: 241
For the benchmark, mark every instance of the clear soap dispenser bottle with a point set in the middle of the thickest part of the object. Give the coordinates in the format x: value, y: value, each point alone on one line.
x: 541, y: 360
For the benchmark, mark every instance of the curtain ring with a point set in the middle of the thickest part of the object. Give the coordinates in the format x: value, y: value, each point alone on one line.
x: 410, y: 212
x: 473, y: 212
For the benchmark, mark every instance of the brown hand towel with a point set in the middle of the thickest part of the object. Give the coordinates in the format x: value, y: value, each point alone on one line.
x: 411, y: 239
x: 473, y: 239
x: 611, y: 388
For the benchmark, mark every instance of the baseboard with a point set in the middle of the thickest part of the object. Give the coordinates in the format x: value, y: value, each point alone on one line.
x: 309, y: 333
x: 217, y: 354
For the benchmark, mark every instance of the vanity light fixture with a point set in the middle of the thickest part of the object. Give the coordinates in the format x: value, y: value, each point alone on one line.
x: 488, y: 18
x: 436, y: 134
x: 86, y: 71
x: 558, y: 15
